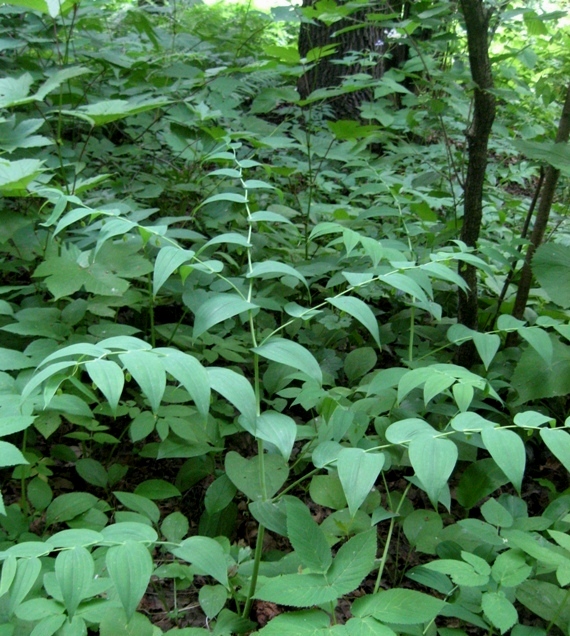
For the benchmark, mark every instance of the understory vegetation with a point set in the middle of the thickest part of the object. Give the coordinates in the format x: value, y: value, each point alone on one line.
x: 230, y: 397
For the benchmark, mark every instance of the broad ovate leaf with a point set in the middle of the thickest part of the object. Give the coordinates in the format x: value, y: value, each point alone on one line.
x: 130, y: 567
x: 433, y: 460
x: 507, y: 449
x: 354, y: 561
x: 291, y: 354
x: 190, y: 373
x: 74, y: 571
x: 218, y: 308
x: 207, y: 555
x: 148, y: 371
x: 169, y: 259
x: 109, y: 379
x: 398, y: 605
x: 358, y: 471
x: 238, y: 391
x: 360, y: 311
x: 278, y: 429
x: 306, y: 536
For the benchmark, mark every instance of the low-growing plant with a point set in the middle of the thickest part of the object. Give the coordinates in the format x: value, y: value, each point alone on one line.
x: 228, y: 335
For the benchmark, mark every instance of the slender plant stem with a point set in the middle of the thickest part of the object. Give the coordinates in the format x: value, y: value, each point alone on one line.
x: 384, y: 557
x: 412, y: 334
x: 255, y: 572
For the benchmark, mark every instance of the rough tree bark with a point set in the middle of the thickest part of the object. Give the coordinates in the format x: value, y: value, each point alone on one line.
x: 551, y: 175
x: 352, y: 35
x: 476, y: 17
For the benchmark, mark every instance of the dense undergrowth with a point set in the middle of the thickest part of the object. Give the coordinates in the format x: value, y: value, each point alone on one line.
x: 229, y: 400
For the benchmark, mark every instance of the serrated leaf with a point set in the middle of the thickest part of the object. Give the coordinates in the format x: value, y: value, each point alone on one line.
x: 109, y: 379
x: 58, y: 78
x: 461, y: 573
x: 148, y: 371
x: 207, y: 554
x: 510, y: 569
x: 433, y: 460
x: 109, y: 110
x: 10, y: 455
x: 297, y: 590
x: 130, y: 567
x: 15, y: 90
x: 218, y: 308
x: 17, y: 175
x: 303, y: 623
x: 398, y: 605
x: 507, y: 449
x: 499, y: 610
x: 307, y: 538
x: 360, y: 311
x: 358, y: 471
x: 354, y: 561
x: 367, y: 626
x: 291, y: 354
x: 74, y: 571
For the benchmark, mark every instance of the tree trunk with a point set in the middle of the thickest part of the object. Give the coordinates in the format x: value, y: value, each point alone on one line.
x: 547, y: 196
x: 477, y: 26
x: 353, y: 36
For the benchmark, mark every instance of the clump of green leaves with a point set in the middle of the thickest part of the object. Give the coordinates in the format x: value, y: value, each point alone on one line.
x: 203, y: 274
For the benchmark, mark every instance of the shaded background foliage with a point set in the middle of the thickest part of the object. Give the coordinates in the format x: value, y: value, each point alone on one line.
x: 229, y: 326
